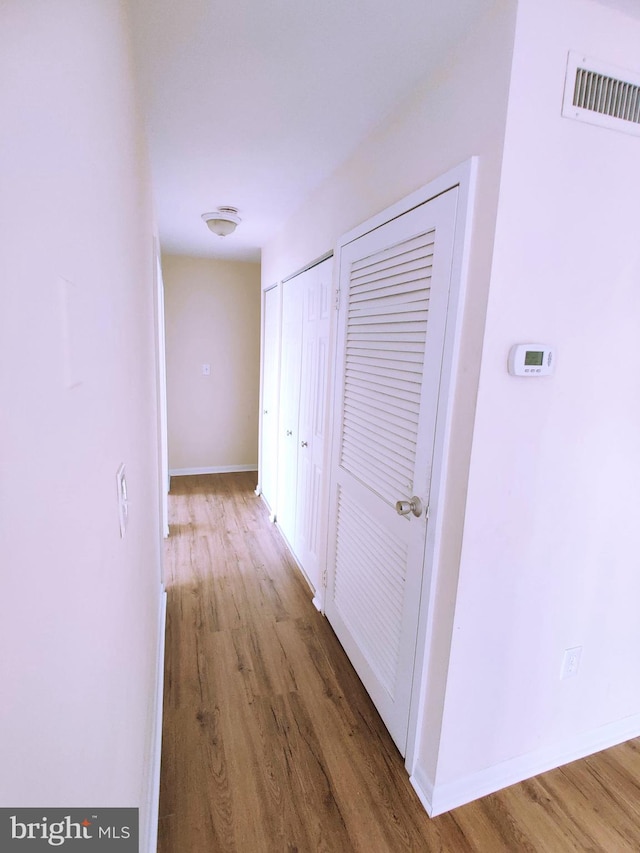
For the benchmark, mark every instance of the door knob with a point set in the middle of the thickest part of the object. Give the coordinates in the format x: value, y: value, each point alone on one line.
x: 289, y: 432
x: 304, y: 444
x: 413, y: 505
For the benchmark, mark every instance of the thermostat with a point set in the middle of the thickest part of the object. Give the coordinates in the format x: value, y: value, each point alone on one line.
x: 531, y: 360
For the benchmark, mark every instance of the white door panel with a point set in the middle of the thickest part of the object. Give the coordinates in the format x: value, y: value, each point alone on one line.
x: 394, y: 291
x: 270, y: 364
x: 316, y: 285
x: 291, y: 353
x: 306, y: 304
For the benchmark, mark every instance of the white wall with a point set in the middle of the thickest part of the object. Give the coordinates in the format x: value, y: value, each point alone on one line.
x: 212, y: 317
x: 453, y: 115
x: 459, y: 113
x: 78, y: 606
x: 551, y: 540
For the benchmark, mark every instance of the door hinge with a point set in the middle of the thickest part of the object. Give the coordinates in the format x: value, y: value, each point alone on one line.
x: 337, y: 302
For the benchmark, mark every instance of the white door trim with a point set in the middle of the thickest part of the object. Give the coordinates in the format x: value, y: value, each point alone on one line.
x: 463, y: 177
x: 161, y: 384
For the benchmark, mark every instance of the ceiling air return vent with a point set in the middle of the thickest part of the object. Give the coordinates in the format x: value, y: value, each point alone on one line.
x: 602, y: 94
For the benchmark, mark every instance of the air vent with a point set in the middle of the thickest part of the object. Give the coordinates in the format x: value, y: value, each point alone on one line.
x: 602, y: 94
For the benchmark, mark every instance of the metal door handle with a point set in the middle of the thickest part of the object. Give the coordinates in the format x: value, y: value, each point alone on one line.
x: 289, y: 432
x: 303, y: 444
x: 413, y: 505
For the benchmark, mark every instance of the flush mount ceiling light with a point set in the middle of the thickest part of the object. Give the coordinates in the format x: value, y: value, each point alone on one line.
x: 222, y: 221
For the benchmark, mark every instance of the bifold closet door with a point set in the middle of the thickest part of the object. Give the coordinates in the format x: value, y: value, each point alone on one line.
x: 290, y: 358
x: 269, y: 435
x: 315, y: 285
x: 394, y: 290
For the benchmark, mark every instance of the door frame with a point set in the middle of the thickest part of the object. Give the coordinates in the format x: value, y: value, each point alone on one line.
x: 161, y: 388
x: 464, y: 177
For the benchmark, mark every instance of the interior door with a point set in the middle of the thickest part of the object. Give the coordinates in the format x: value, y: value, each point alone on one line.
x: 269, y: 435
x: 291, y: 354
x: 316, y: 287
x: 394, y: 290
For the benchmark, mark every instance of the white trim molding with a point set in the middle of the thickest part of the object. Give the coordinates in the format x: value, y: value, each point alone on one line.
x: 213, y: 469
x: 438, y: 799
x: 423, y: 788
x: 464, y: 177
x: 153, y: 801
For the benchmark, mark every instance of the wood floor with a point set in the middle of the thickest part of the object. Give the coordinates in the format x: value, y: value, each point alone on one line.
x: 271, y: 744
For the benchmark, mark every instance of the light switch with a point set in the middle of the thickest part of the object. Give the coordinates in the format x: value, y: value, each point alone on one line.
x: 206, y: 369
x: 123, y: 502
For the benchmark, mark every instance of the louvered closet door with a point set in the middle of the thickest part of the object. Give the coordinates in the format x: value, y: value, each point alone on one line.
x: 394, y: 287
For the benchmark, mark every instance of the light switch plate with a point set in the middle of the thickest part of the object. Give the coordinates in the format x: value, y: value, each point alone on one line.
x: 571, y: 662
x: 123, y: 503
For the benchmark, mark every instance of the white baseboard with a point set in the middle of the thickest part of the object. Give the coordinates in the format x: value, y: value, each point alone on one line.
x: 153, y: 803
x: 438, y: 799
x: 423, y: 788
x: 272, y: 515
x: 213, y: 469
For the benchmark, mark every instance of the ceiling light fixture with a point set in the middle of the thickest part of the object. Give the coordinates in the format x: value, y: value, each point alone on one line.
x: 222, y: 221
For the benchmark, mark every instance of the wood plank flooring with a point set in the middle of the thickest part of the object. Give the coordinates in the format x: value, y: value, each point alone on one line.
x: 271, y: 744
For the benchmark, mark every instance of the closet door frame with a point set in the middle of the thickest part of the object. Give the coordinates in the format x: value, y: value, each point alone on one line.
x: 464, y: 178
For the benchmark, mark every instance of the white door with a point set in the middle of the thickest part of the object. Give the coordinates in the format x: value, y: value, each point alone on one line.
x: 316, y: 287
x: 394, y: 291
x: 269, y: 434
x: 291, y: 354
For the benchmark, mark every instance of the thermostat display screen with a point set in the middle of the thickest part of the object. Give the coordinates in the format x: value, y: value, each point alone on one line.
x: 533, y: 358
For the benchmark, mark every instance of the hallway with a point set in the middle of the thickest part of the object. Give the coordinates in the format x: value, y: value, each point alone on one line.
x: 270, y: 742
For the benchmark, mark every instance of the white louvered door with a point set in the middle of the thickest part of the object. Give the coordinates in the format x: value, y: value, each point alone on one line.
x: 394, y: 290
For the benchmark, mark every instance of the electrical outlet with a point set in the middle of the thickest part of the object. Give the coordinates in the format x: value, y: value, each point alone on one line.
x: 571, y: 662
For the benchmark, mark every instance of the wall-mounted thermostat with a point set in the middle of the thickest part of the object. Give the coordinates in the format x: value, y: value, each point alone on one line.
x: 531, y: 360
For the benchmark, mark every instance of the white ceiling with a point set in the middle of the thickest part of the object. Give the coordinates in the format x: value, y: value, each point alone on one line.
x: 252, y: 103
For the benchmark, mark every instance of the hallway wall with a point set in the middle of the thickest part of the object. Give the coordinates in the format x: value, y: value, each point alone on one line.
x: 550, y: 551
x: 79, y: 605
x: 212, y: 317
